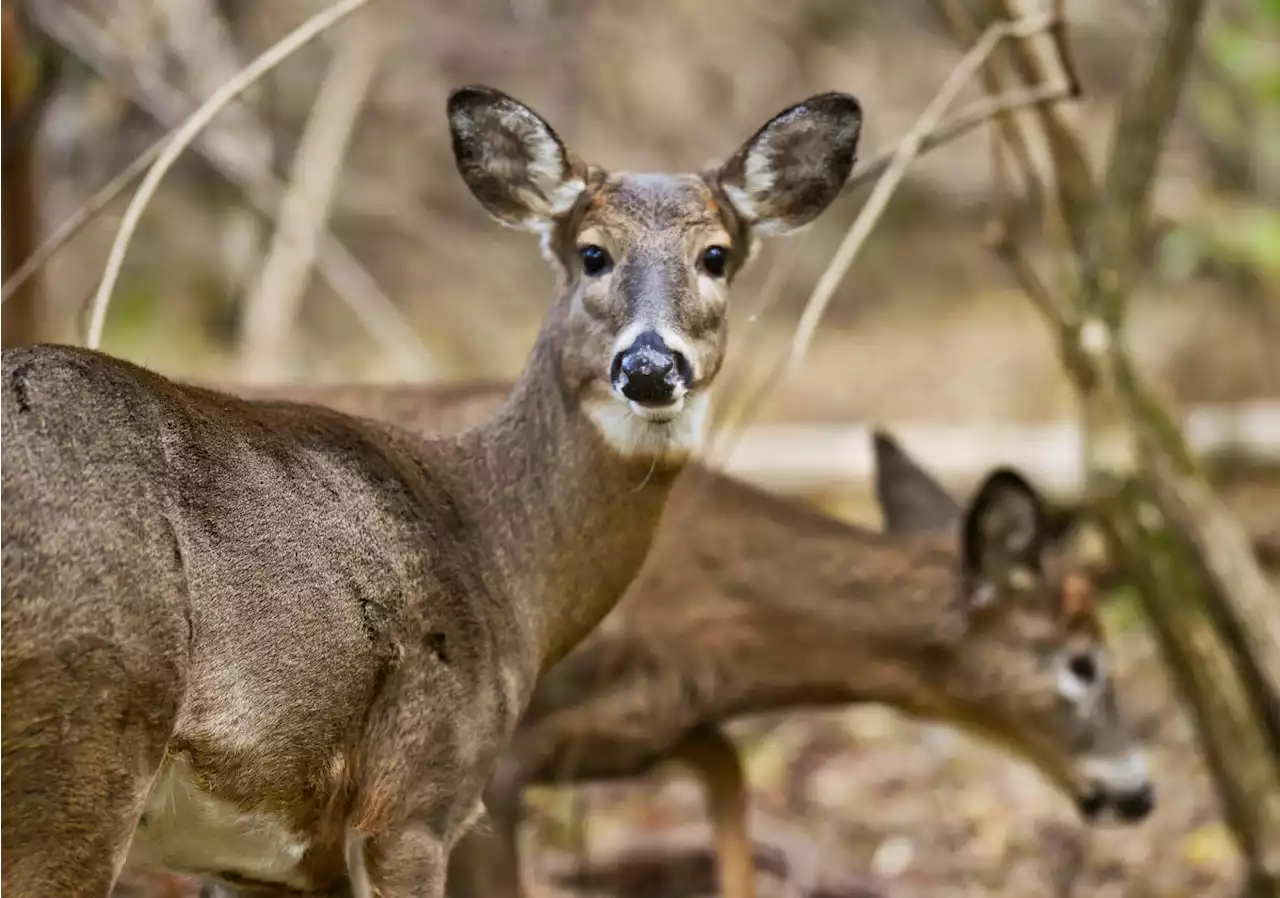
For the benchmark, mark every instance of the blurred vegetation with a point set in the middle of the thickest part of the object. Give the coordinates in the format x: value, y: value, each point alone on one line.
x: 1236, y: 100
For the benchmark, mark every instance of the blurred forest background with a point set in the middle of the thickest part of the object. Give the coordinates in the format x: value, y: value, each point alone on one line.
x: 927, y: 327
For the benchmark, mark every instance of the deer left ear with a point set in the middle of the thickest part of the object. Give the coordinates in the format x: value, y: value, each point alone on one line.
x: 1005, y: 531
x: 513, y: 161
x: 795, y: 165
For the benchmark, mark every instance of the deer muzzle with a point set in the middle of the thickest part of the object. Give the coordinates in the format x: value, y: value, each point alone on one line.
x: 1121, y: 786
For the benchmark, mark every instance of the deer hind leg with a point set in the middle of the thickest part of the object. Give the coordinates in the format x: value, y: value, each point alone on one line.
x: 714, y: 760
x: 91, y: 693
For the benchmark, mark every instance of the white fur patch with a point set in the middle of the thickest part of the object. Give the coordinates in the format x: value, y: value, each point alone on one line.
x: 742, y: 201
x: 633, y: 433
x: 1084, y: 695
x: 758, y: 177
x: 1126, y: 773
x: 187, y: 829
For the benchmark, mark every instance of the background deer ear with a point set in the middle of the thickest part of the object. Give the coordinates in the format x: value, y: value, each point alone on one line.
x: 909, y: 498
x: 514, y: 163
x: 1006, y: 527
x: 794, y: 166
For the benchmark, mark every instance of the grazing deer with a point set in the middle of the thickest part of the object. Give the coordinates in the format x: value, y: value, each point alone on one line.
x: 752, y: 603
x: 280, y: 646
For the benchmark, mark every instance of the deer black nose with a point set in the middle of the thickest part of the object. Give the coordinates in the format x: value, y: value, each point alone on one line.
x: 1091, y: 804
x: 1136, y: 805
x: 650, y: 372
x: 1129, y: 806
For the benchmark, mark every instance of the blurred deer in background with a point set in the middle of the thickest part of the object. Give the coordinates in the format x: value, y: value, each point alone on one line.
x: 750, y: 603
x: 280, y: 646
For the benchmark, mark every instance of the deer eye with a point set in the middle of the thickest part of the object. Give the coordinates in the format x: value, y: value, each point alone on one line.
x: 1083, y: 668
x: 714, y: 260
x: 595, y: 259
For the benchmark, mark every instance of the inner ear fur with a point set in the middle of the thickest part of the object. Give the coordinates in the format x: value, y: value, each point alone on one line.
x: 795, y: 165
x: 1006, y: 526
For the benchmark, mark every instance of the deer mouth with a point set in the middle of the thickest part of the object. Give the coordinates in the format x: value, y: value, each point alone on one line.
x: 657, y: 412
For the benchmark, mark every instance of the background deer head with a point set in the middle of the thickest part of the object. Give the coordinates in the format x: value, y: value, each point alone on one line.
x: 1023, y: 657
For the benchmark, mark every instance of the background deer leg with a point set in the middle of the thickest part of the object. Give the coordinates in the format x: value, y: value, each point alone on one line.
x: 715, y: 761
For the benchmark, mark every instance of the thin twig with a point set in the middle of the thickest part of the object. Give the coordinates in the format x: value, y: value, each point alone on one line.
x: 907, y: 150
x: 187, y: 132
x: 272, y: 304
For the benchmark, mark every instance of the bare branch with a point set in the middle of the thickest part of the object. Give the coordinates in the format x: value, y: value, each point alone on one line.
x: 272, y: 304
x: 182, y: 138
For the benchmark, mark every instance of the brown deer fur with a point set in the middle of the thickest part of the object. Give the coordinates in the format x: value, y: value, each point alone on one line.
x: 749, y: 602
x: 275, y: 644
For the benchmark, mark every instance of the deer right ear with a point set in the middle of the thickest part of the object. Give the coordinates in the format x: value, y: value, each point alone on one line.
x: 514, y: 163
x: 1006, y: 529
x: 795, y: 165
x: 910, y: 500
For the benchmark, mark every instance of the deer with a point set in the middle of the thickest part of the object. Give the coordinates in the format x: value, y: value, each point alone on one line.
x: 282, y: 647
x: 976, y: 615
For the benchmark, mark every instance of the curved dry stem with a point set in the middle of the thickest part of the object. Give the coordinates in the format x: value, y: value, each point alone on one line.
x: 187, y: 132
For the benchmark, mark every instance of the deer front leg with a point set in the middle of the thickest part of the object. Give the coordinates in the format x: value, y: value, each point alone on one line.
x: 714, y: 759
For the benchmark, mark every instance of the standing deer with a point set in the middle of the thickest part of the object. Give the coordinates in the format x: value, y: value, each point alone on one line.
x: 748, y: 603
x: 280, y: 646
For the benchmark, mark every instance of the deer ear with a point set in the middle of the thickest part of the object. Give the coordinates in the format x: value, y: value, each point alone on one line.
x: 514, y: 163
x: 795, y: 165
x: 909, y: 498
x: 1006, y: 527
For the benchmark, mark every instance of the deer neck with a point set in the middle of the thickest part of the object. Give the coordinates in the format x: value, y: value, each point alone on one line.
x: 565, y: 520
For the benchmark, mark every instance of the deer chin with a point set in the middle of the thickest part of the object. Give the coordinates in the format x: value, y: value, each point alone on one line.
x: 658, y: 414
x: 673, y: 430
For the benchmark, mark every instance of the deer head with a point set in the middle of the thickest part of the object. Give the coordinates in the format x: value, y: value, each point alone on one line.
x: 646, y: 259
x: 1024, y: 658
